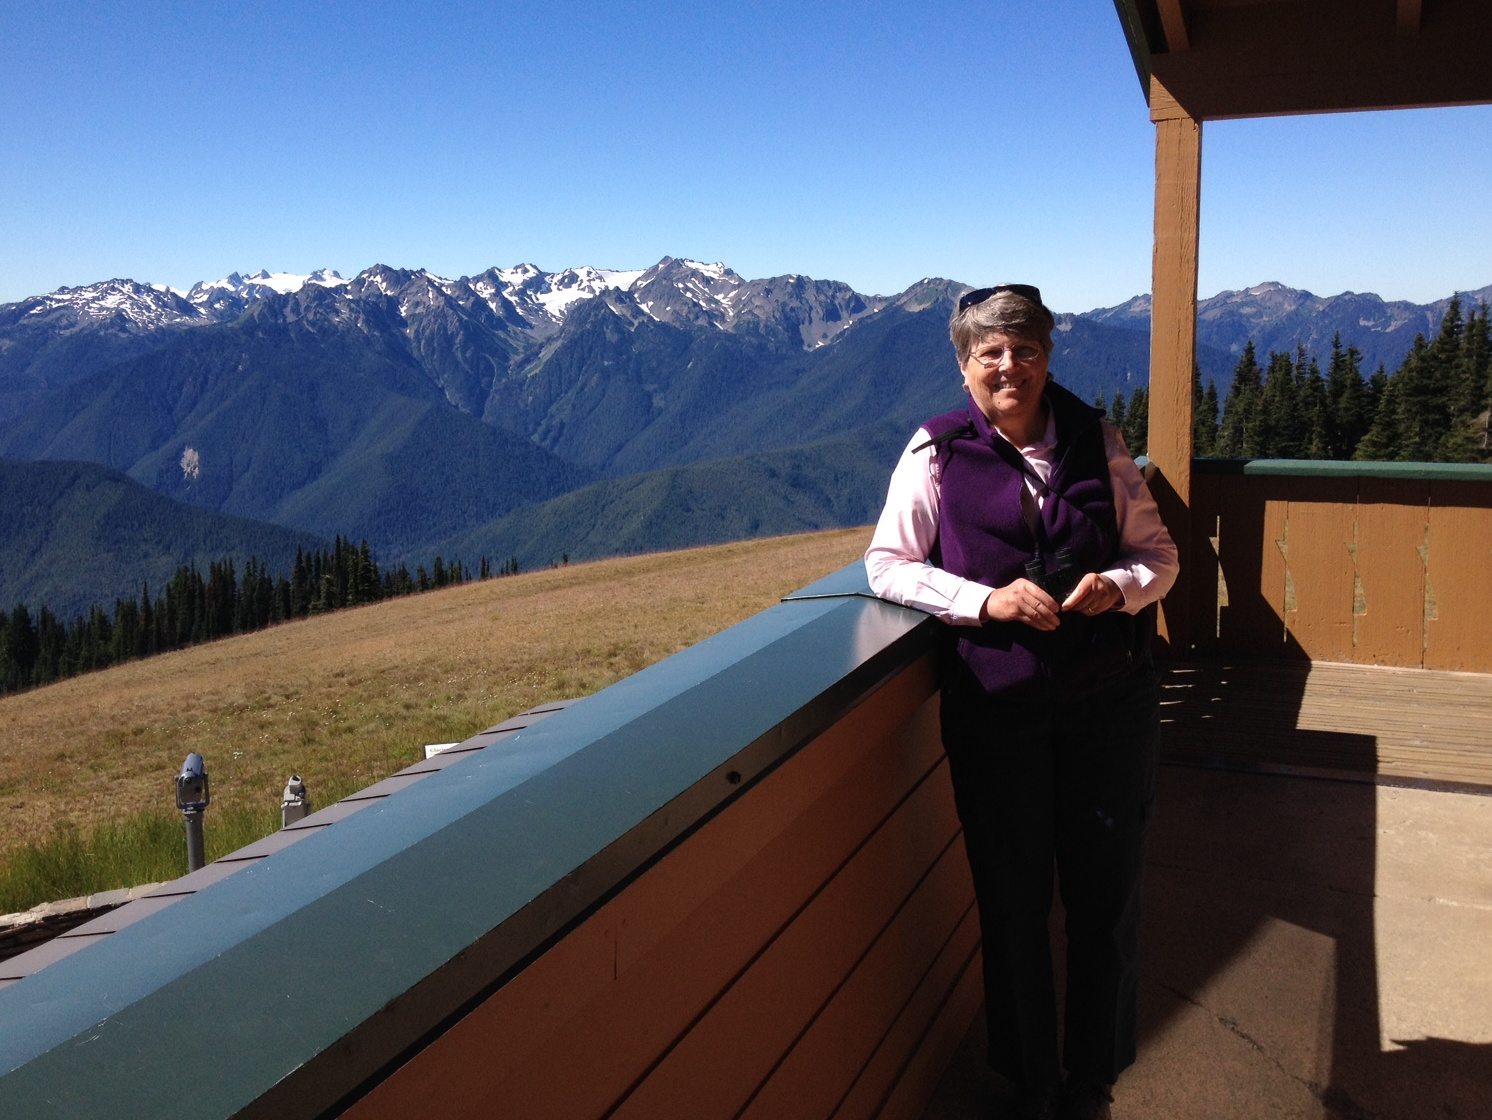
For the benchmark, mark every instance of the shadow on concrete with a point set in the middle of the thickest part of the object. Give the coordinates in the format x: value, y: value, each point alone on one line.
x: 1260, y: 928
x: 1260, y: 978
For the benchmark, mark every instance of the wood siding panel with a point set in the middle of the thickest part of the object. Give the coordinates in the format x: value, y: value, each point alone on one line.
x: 716, y: 1067
x: 1460, y: 563
x: 1252, y: 512
x: 899, y: 717
x: 905, y: 1068
x: 824, y: 1063
x: 1392, y: 521
x: 1205, y: 585
x: 1320, y: 534
x: 569, y: 1034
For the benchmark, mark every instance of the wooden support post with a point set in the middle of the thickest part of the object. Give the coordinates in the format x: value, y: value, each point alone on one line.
x: 1173, y: 340
x: 1408, y: 17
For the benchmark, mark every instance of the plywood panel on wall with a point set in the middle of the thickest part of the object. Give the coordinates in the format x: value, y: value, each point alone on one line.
x: 1459, y: 578
x: 919, y: 1044
x: 1252, y: 515
x: 1319, y: 537
x: 1206, y: 587
x: 833, y: 1049
x: 1392, y: 522
x: 714, y: 1069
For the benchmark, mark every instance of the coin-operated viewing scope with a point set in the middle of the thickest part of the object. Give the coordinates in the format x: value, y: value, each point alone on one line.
x: 296, y: 802
x: 192, y: 798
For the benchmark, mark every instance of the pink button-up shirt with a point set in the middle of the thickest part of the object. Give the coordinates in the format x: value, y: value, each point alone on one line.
x: 896, y: 561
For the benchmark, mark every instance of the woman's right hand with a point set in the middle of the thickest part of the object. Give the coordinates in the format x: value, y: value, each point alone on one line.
x: 1021, y: 601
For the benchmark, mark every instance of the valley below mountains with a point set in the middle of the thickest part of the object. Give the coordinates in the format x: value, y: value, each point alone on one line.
x: 519, y: 413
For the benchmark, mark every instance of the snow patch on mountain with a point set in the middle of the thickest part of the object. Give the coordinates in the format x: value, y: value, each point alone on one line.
x: 123, y: 304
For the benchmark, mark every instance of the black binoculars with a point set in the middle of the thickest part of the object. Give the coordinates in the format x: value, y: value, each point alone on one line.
x: 1061, y: 581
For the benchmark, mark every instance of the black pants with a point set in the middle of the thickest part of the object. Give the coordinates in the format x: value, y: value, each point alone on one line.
x: 1070, y: 781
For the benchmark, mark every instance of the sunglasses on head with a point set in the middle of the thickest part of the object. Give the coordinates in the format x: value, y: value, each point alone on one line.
x: 979, y: 295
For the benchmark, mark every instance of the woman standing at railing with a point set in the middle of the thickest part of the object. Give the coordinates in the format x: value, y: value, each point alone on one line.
x: 1023, y: 522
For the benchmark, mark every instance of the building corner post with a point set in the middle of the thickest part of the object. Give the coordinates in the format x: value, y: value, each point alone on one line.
x: 1173, y: 343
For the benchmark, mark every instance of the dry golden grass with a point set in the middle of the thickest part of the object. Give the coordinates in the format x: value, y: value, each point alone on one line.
x: 347, y: 698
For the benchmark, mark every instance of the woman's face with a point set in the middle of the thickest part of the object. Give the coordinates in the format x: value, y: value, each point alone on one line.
x: 1005, y: 374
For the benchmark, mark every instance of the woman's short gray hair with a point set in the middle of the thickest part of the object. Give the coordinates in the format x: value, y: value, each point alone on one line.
x: 1004, y: 312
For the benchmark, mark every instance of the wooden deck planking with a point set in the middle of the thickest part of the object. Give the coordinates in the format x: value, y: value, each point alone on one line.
x: 1355, y: 719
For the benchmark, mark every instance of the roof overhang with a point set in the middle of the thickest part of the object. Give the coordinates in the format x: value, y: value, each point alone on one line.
x: 1219, y: 59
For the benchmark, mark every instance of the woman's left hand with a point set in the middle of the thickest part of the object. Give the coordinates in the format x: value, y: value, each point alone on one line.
x: 1094, y: 594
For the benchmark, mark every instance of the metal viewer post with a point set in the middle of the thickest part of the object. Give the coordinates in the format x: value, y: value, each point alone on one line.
x: 192, y: 798
x: 296, y: 802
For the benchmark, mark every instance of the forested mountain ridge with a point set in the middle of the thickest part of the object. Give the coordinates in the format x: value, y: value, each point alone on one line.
x: 411, y: 409
x: 1435, y: 407
x: 1275, y: 317
x: 73, y: 535
x: 285, y: 420
x: 342, y: 407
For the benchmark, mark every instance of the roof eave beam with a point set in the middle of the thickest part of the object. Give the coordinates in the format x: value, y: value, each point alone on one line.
x: 1173, y: 19
x: 1408, y: 16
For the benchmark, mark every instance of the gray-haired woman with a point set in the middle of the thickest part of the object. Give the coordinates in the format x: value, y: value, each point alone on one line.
x: 1023, y: 522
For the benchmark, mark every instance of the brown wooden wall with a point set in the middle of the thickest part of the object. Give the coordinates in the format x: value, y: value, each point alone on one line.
x: 1379, y: 571
x: 812, y: 951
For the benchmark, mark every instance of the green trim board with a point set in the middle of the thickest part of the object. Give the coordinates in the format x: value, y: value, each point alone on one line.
x: 286, y: 989
x: 1133, y: 24
x: 1329, y: 468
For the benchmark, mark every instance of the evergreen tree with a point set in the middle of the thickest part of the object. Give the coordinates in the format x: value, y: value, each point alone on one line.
x: 18, y: 649
x: 1381, y: 441
x: 1417, y: 410
x: 1240, y: 406
x: 1348, y: 410
x: 1314, y: 422
x: 1277, y: 431
x: 1204, y: 416
x: 1467, y: 441
x: 51, y: 645
x: 1136, y: 425
x: 300, y: 586
x: 149, y: 642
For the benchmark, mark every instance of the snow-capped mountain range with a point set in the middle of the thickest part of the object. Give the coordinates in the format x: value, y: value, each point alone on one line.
x: 524, y: 296
x: 481, y: 338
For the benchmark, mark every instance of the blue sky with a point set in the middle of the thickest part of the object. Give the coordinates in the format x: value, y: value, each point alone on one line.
x: 869, y: 142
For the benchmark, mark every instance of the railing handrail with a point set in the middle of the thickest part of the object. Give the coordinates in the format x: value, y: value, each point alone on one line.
x: 1336, y: 468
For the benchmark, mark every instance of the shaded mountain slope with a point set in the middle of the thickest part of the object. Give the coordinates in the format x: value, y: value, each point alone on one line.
x: 308, y: 411
x: 77, y: 534
x: 834, y: 482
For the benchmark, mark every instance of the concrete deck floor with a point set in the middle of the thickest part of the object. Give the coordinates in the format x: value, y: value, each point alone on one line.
x: 1311, y: 949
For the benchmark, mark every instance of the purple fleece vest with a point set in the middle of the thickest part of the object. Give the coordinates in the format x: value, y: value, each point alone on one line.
x: 983, y: 536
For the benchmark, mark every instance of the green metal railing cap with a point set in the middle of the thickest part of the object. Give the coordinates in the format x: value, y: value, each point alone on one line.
x: 1326, y: 468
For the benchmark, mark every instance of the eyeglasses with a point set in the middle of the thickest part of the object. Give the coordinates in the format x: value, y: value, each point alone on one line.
x: 979, y: 295
x: 990, y: 358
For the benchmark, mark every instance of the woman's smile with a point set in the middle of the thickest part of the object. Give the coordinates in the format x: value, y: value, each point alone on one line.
x: 1006, y: 376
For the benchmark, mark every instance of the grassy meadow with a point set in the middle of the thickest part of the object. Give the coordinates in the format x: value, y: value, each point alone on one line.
x: 87, y: 764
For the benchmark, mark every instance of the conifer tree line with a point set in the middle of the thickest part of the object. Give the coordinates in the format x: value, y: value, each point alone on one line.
x: 191, y: 609
x: 1433, y: 409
